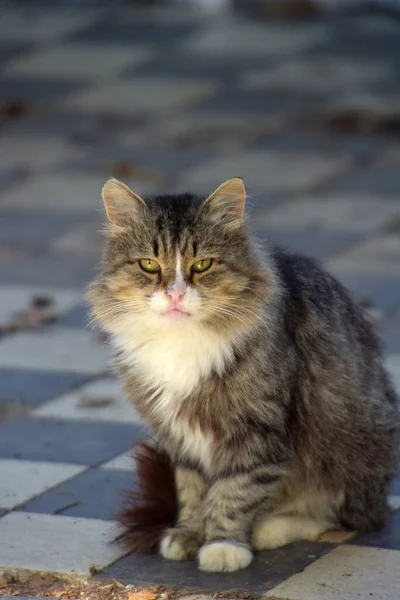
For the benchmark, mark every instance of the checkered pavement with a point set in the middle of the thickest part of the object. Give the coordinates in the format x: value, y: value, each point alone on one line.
x: 170, y: 100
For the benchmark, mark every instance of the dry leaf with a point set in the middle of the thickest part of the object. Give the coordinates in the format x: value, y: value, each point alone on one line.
x: 141, y: 595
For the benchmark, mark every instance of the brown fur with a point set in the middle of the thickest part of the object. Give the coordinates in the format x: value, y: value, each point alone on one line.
x: 152, y: 505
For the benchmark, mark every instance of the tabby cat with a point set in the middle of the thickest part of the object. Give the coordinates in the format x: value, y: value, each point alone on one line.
x: 260, y: 376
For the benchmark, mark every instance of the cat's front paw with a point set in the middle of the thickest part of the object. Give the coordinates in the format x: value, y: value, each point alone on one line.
x: 224, y: 557
x: 178, y: 544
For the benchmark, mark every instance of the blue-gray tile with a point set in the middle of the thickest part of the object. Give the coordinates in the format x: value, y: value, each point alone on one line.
x: 318, y: 244
x: 47, y: 270
x: 35, y: 89
x: 267, y: 570
x: 234, y: 99
x: 388, y: 537
x: 33, y: 388
x: 389, y: 330
x: 96, y: 494
x: 380, y: 291
x: 382, y: 179
x: 78, y: 317
x: 32, y: 228
x: 395, y: 489
x: 114, y: 30
x: 56, y: 440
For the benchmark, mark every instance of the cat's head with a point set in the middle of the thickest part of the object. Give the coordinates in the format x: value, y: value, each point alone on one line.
x: 178, y: 261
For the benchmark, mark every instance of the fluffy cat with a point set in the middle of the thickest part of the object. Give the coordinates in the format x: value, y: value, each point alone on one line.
x: 260, y: 376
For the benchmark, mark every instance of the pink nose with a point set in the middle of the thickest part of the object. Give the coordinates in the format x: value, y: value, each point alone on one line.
x: 176, y: 291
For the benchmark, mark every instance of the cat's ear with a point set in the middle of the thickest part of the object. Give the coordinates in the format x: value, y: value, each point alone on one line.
x: 227, y: 202
x: 120, y: 202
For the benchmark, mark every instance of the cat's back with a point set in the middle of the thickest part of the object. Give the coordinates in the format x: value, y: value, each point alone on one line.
x: 314, y: 299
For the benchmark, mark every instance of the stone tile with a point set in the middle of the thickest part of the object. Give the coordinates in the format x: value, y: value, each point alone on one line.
x: 32, y: 388
x: 143, y: 95
x: 394, y: 502
x: 264, y: 171
x: 344, y: 574
x: 331, y: 74
x: 381, y: 179
x: 268, y: 569
x: 57, y: 191
x: 346, y: 211
x: 86, y: 239
x: 55, y: 349
x: 379, y: 254
x: 395, y: 489
x: 66, y: 441
x: 232, y: 38
x: 28, y: 543
x: 96, y: 494
x: 388, y: 537
x: 100, y: 400
x: 78, y: 317
x: 274, y: 103
x: 382, y: 291
x: 36, y: 90
x: 221, y: 68
x: 16, y: 298
x: 64, y: 271
x: 75, y: 61
x: 310, y: 242
x: 33, y: 24
x: 123, y: 462
x: 23, y: 480
x: 389, y: 331
x: 22, y: 154
x: 392, y: 362
x: 32, y: 228
x: 11, y: 49
x: 126, y: 29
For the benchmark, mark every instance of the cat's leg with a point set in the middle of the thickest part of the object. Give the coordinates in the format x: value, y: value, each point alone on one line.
x: 182, y: 542
x: 230, y: 508
x: 275, y: 531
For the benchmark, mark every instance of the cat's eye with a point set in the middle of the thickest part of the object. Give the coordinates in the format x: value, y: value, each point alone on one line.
x: 148, y: 265
x: 202, y: 265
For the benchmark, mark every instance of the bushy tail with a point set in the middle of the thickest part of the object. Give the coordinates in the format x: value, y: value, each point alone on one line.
x: 152, y: 505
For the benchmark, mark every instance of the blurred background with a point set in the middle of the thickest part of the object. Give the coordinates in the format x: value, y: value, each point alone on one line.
x: 301, y: 99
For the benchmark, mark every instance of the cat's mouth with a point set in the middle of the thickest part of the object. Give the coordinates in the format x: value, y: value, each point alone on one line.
x: 176, y: 314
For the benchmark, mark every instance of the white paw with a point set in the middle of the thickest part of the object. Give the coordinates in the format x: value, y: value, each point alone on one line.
x: 224, y: 557
x: 171, y: 548
x: 274, y: 532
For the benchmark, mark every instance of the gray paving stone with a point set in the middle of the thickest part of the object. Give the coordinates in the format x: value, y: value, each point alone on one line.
x: 389, y: 330
x: 388, y: 537
x: 33, y: 388
x: 346, y: 573
x: 380, y: 290
x: 56, y: 271
x: 115, y: 30
x: 267, y: 570
x: 36, y: 89
x: 96, y: 494
x: 382, y: 179
x: 395, y: 489
x: 33, y: 228
x: 236, y: 99
x: 78, y: 317
x: 311, y: 242
x: 66, y: 441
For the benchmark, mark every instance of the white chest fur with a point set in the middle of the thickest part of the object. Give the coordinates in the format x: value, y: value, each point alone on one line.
x: 173, y: 362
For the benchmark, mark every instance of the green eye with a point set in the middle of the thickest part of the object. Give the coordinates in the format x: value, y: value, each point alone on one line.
x: 148, y: 265
x: 202, y: 265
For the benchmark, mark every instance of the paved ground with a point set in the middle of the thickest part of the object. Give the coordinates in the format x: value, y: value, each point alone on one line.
x: 307, y: 112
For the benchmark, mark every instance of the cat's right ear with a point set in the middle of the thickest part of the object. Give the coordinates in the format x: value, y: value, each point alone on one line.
x: 120, y: 202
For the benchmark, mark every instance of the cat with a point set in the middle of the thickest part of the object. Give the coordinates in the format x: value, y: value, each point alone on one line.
x: 259, y: 375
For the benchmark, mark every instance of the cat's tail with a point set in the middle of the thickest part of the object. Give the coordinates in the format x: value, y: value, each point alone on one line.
x: 152, y: 504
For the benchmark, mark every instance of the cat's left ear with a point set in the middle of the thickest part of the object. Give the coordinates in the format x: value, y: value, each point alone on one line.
x: 227, y: 202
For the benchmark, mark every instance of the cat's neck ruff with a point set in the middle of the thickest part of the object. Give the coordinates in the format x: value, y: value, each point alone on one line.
x: 175, y: 358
